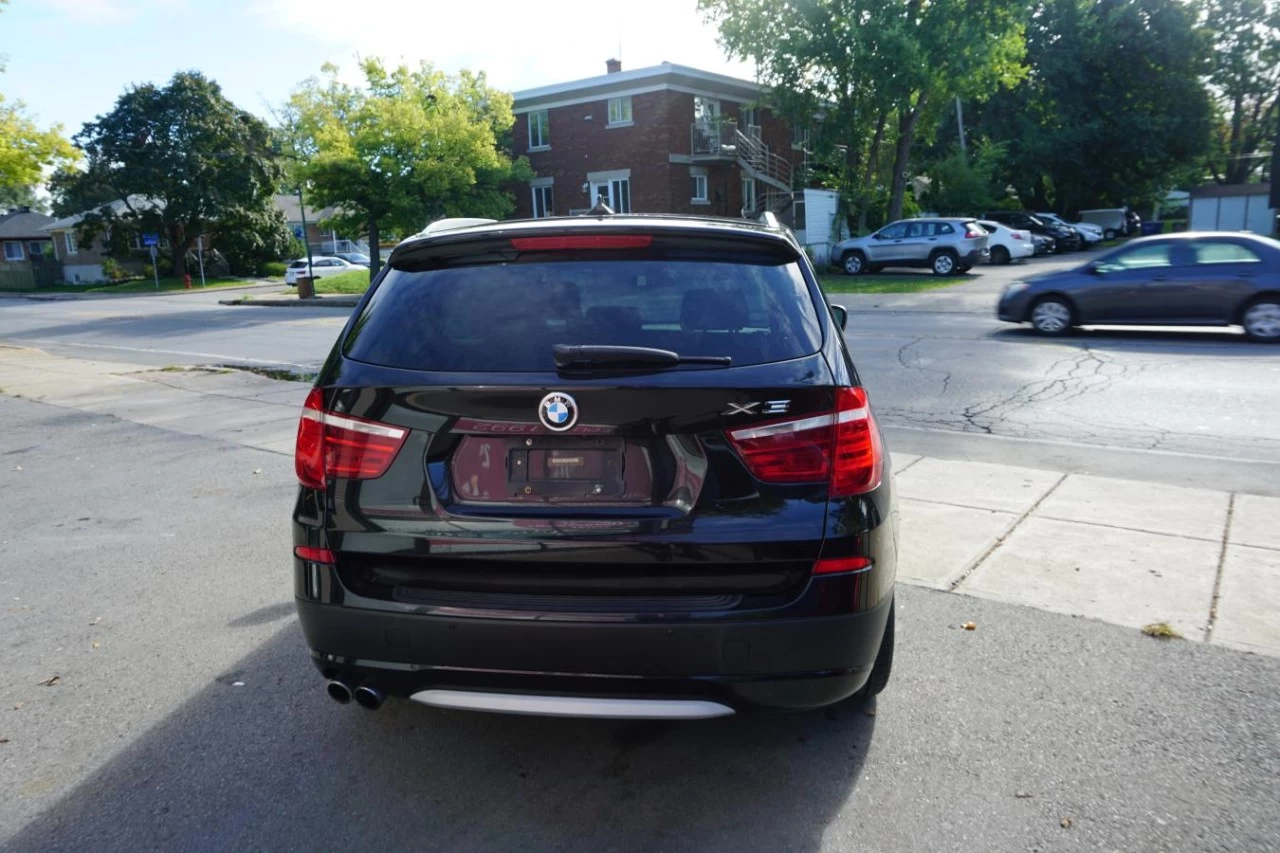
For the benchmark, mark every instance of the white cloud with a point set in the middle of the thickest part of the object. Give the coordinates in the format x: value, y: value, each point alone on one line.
x: 519, y: 44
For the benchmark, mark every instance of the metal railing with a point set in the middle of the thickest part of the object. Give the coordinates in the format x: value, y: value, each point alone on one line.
x: 723, y: 139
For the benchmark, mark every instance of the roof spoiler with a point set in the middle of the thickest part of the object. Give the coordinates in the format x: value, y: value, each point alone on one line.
x: 455, y: 223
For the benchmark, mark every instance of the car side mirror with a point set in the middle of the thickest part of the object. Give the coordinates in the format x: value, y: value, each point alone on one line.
x: 841, y: 315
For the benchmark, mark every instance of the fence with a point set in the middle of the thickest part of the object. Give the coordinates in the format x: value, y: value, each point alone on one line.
x: 17, y: 276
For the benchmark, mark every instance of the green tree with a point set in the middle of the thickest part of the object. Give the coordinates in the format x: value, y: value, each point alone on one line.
x: 183, y: 159
x: 966, y: 184
x: 407, y: 147
x: 875, y: 67
x: 1114, y: 111
x: 1244, y: 79
x: 26, y: 150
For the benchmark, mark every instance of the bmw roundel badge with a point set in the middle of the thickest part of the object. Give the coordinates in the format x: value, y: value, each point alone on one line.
x: 558, y: 412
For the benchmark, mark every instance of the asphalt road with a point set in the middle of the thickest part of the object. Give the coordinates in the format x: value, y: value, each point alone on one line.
x: 946, y: 377
x: 145, y: 569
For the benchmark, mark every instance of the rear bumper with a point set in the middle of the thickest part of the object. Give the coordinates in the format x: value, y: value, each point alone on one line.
x: 787, y: 663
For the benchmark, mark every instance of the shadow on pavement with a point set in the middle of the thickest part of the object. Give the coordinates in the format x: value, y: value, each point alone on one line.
x: 1217, y: 342
x: 279, y: 766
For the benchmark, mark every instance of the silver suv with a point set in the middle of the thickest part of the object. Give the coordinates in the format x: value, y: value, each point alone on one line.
x: 946, y: 246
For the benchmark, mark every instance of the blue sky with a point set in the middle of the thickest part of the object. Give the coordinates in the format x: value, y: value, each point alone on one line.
x: 70, y: 59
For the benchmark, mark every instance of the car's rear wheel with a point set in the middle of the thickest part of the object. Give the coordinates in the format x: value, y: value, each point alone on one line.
x: 999, y: 255
x: 1052, y: 316
x: 883, y: 666
x: 1262, y: 320
x: 944, y: 263
x: 853, y: 263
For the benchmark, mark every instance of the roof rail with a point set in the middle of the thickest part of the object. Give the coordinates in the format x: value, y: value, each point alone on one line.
x: 454, y: 224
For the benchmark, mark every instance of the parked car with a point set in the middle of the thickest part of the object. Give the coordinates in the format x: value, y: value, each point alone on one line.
x: 1065, y: 238
x: 1112, y: 220
x: 1006, y: 244
x: 648, y: 485
x: 358, y: 258
x: 1090, y: 234
x: 321, y: 266
x: 1187, y: 279
x: 1044, y: 245
x: 946, y: 246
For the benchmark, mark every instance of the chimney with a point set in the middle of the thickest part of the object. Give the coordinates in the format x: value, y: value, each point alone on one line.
x: 613, y: 66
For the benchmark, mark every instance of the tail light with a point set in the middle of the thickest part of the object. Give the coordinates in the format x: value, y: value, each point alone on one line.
x: 581, y: 241
x: 332, y: 445
x: 1017, y: 235
x: 971, y: 234
x: 842, y: 447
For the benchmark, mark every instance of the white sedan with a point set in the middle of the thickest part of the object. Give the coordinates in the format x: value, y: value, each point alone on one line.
x: 1007, y: 244
x: 321, y: 267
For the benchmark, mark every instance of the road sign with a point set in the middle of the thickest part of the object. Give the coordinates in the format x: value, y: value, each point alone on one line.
x: 150, y: 239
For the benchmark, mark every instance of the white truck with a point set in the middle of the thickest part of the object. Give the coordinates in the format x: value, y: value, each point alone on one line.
x: 1111, y: 220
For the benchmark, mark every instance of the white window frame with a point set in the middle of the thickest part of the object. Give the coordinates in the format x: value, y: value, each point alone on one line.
x: 711, y: 112
x: 698, y: 175
x: 541, y: 118
x: 622, y: 116
x: 542, y: 189
x: 22, y: 253
x: 42, y: 243
x: 799, y: 139
x: 70, y: 243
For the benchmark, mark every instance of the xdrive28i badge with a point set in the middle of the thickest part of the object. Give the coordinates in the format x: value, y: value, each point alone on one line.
x: 558, y: 412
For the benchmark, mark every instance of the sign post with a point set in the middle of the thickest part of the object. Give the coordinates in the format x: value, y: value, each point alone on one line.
x: 200, y: 257
x: 151, y: 241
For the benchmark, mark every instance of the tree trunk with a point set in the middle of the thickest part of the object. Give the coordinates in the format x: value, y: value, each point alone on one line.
x: 375, y: 251
x: 869, y: 172
x: 902, y: 153
x: 177, y: 246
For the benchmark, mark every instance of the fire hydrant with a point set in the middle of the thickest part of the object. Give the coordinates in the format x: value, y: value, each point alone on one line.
x: 186, y: 281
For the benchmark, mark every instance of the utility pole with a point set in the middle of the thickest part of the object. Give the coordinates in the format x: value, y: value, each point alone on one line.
x: 302, y: 210
x: 960, y: 122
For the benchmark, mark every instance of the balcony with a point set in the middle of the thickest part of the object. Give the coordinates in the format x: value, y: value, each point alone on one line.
x: 713, y: 140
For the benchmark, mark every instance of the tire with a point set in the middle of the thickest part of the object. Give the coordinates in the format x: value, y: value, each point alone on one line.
x: 1261, y: 320
x: 853, y: 263
x: 1052, y: 316
x: 883, y: 666
x: 944, y: 263
x: 1000, y: 255
x: 1109, y: 234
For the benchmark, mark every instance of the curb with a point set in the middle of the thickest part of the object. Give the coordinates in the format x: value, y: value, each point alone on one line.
x: 295, y: 302
x: 36, y: 296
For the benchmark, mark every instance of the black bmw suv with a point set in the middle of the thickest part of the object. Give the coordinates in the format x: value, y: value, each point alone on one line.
x: 611, y: 466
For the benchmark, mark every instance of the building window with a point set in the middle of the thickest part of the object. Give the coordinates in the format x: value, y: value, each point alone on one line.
x: 620, y: 111
x: 69, y: 240
x: 542, y: 202
x: 13, y: 251
x: 40, y: 248
x: 539, y: 130
x: 698, y: 185
x: 706, y: 110
x: 800, y: 137
x: 748, y: 195
x: 751, y: 121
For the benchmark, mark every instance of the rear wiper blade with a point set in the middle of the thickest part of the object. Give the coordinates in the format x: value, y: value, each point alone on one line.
x: 604, y: 355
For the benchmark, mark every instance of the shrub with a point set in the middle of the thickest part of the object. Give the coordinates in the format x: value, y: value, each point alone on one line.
x: 272, y: 269
x: 113, y: 271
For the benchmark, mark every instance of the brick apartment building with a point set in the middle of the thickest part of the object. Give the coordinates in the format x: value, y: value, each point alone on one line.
x: 665, y: 139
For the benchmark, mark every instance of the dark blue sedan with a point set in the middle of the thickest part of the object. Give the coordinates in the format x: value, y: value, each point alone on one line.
x: 1187, y: 279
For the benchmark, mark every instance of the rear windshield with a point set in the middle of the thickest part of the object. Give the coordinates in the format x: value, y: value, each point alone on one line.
x: 507, y: 317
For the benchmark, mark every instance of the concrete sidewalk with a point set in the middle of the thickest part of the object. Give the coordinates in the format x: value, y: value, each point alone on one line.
x: 1127, y: 552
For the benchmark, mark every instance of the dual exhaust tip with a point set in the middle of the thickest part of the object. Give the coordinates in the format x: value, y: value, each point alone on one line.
x: 364, y: 695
